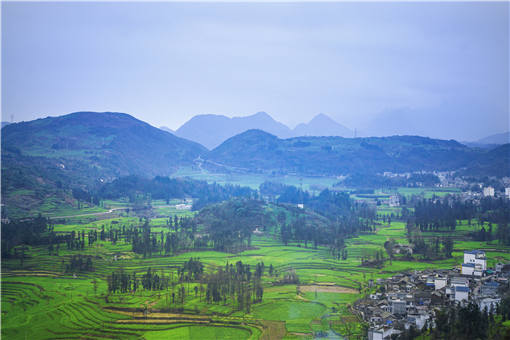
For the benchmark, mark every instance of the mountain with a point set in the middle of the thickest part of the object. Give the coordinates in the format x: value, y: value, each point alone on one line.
x: 88, y: 146
x: 167, y: 129
x: 322, y: 125
x: 497, y: 139
x: 495, y: 162
x: 212, y: 130
x: 258, y: 151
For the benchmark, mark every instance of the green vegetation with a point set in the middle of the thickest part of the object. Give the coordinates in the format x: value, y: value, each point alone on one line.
x: 304, y: 287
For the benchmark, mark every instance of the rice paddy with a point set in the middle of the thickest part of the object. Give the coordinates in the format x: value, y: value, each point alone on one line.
x: 41, y: 301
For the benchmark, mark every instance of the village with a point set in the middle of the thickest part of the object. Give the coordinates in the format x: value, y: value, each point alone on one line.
x: 410, y: 299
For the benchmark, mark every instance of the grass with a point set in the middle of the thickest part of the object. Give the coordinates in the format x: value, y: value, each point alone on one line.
x: 41, y: 301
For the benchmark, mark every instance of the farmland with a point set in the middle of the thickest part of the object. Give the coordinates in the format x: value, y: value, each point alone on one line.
x: 40, y: 299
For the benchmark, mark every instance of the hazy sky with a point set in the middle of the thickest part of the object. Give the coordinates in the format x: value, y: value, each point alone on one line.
x: 439, y: 69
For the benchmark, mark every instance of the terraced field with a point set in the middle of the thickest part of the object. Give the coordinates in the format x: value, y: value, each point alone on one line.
x: 41, y: 301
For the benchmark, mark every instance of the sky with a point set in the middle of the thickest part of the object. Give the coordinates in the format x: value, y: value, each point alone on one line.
x: 435, y: 69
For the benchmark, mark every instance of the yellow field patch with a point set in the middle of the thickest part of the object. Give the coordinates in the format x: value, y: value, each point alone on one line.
x: 323, y: 288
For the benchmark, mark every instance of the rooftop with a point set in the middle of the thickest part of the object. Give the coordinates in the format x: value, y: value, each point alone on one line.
x: 475, y: 252
x: 462, y: 289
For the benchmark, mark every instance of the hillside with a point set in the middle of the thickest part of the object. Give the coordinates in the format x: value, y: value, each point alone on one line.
x: 499, y: 138
x: 212, y: 130
x: 111, y: 142
x: 322, y: 125
x: 495, y: 162
x: 259, y: 151
x: 85, y: 149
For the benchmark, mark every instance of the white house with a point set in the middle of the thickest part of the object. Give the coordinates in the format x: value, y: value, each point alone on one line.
x: 477, y: 257
x: 468, y: 269
x: 507, y: 193
x: 488, y: 191
x: 394, y: 201
x: 439, y: 283
x: 458, y: 281
x: 461, y: 294
x: 382, y: 333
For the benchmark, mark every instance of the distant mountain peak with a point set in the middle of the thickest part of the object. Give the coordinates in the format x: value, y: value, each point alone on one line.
x: 322, y: 125
x: 212, y: 130
x: 321, y: 116
x: 262, y: 114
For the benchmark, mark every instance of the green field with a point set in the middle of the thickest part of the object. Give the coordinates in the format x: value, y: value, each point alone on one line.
x: 41, y: 301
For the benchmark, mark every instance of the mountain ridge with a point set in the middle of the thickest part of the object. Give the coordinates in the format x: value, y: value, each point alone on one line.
x: 211, y: 130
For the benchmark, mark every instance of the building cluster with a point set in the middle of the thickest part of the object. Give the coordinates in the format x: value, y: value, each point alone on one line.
x: 411, y: 299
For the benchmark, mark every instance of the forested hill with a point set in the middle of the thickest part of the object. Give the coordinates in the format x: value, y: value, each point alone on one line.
x: 45, y: 158
x: 259, y: 151
x: 110, y: 144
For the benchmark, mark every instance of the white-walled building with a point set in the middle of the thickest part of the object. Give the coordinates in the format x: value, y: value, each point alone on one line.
x: 488, y: 191
x: 468, y: 268
x: 507, y: 193
x: 439, y: 282
x: 476, y: 257
x: 394, y: 201
x: 461, y: 294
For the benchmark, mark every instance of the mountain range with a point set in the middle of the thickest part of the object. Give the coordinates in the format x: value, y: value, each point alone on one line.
x: 51, y: 156
x: 212, y: 130
x: 258, y: 151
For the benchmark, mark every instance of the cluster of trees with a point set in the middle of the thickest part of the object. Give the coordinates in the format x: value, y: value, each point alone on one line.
x: 29, y: 231
x: 236, y: 283
x: 434, y: 215
x: 123, y: 282
x: 230, y: 225
x: 469, y: 322
x: 79, y: 263
x: 429, y: 247
x: 167, y: 188
x: 443, y: 214
x: 359, y: 180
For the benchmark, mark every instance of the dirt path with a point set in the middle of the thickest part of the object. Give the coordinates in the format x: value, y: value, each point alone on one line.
x: 327, y: 289
x: 90, y: 214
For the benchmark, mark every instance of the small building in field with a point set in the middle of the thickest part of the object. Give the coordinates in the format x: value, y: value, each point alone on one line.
x: 394, y: 201
x: 488, y: 192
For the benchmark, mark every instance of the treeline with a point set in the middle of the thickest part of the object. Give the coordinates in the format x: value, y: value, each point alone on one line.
x: 358, y: 180
x: 238, y: 283
x: 29, y: 231
x: 442, y: 215
x: 436, y: 214
x: 465, y: 323
x: 230, y: 225
x: 167, y: 188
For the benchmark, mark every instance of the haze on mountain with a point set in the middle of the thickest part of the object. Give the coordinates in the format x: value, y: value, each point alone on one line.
x: 167, y: 129
x: 498, y: 139
x: 212, y: 130
x: 322, y: 125
x: 349, y: 60
x: 97, y: 145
